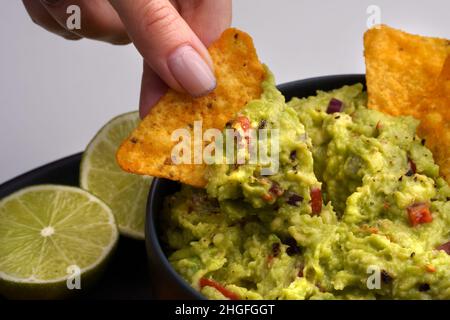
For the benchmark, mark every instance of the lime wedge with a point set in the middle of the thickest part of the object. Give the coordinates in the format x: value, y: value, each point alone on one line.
x: 125, y: 193
x: 49, y: 236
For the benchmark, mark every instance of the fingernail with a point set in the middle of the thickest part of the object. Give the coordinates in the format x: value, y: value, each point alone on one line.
x: 191, y: 71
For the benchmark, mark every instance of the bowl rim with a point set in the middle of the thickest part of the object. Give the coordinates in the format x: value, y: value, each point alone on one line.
x: 151, y: 230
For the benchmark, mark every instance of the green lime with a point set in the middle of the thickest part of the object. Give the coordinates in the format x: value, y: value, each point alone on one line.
x: 54, y: 239
x: 125, y: 193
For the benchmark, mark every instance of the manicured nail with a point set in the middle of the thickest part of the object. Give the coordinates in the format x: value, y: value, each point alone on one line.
x: 191, y: 71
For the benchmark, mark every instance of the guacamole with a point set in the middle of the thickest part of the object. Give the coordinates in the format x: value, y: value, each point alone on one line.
x: 357, y: 209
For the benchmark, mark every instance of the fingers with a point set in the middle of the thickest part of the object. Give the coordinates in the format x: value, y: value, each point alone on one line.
x: 152, y: 89
x: 168, y: 44
x: 208, y: 19
x: 99, y: 20
x: 41, y: 17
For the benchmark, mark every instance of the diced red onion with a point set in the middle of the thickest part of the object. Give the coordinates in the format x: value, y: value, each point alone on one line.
x: 445, y: 247
x: 294, y: 199
x: 412, y: 166
x: 334, y: 106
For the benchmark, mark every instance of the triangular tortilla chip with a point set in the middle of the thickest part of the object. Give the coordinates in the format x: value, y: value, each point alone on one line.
x: 239, y: 76
x: 409, y: 75
x: 401, y: 68
x: 435, y: 124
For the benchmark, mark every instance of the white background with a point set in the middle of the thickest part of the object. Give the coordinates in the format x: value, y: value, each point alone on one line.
x: 55, y: 94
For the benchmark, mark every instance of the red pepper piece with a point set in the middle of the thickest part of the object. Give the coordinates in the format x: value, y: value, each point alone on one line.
x: 316, y: 200
x: 204, y: 282
x: 419, y: 213
x: 244, y: 122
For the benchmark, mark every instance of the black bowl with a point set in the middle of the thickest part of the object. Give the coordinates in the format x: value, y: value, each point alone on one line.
x: 166, y: 282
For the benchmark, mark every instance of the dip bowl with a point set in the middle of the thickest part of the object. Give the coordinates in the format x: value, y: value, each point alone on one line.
x: 165, y: 281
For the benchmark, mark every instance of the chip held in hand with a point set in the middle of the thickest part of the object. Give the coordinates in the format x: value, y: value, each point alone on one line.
x: 239, y: 76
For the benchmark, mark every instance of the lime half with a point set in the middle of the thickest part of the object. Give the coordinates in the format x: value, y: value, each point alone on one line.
x: 125, y: 193
x: 53, y: 240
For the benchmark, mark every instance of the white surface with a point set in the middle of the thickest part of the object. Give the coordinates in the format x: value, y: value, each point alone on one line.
x: 55, y: 94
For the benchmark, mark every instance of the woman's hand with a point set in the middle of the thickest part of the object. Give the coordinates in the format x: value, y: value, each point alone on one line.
x: 171, y: 36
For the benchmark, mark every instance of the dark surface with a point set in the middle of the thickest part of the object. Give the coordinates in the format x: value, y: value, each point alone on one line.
x: 126, y: 276
x: 167, y: 284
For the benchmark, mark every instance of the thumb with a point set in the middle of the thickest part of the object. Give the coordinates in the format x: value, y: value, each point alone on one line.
x: 168, y: 44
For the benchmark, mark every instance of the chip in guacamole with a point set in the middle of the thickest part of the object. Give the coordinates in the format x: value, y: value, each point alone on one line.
x: 357, y: 194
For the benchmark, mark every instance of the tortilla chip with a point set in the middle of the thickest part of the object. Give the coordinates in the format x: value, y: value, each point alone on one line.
x: 401, y: 68
x: 409, y: 75
x: 239, y: 75
x: 435, y: 124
